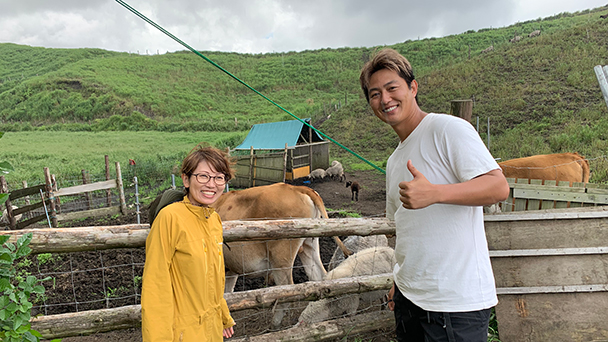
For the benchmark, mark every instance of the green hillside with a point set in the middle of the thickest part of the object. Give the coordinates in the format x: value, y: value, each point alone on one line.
x: 540, y: 94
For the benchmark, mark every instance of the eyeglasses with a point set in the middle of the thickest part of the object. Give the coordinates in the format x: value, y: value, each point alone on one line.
x: 204, y: 178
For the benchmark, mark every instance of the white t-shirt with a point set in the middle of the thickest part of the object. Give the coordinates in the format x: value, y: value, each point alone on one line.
x: 443, y: 263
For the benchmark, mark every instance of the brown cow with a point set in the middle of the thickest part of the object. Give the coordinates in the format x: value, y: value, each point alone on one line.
x: 570, y: 167
x: 274, y: 201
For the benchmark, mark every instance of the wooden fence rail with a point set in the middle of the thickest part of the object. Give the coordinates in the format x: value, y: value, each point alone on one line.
x: 50, y: 200
x: 531, y: 194
x: 87, y: 322
x: 549, y: 265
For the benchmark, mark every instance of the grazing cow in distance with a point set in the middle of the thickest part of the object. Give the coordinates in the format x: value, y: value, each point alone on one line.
x: 570, y: 167
x: 354, y: 189
x: 534, y: 33
x: 604, y: 16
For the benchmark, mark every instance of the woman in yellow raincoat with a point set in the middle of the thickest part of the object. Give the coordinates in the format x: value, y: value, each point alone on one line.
x: 183, y: 281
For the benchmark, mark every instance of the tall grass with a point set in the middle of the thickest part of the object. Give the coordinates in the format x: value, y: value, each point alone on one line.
x: 156, y: 154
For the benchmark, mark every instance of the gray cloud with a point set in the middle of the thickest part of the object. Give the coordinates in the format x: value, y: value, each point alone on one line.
x: 261, y: 25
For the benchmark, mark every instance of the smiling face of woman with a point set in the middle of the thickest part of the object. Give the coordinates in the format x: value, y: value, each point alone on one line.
x: 203, y: 194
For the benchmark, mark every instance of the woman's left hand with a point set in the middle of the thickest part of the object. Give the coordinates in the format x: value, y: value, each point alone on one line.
x: 228, y: 332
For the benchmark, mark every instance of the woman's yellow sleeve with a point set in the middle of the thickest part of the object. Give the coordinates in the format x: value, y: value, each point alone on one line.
x: 157, y: 308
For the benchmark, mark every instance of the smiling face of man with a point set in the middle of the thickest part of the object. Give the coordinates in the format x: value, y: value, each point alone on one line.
x: 391, y: 99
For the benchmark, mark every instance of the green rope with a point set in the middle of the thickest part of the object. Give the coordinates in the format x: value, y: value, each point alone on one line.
x: 124, y: 4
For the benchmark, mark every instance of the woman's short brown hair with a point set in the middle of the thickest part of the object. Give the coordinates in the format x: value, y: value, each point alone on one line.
x: 216, y: 158
x: 386, y: 59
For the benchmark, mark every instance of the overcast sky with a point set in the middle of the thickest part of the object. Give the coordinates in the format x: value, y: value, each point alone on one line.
x: 259, y: 26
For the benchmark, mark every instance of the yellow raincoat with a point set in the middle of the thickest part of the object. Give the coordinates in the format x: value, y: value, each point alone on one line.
x: 183, y: 282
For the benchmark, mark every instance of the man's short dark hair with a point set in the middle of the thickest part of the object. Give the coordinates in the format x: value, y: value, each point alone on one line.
x: 386, y: 59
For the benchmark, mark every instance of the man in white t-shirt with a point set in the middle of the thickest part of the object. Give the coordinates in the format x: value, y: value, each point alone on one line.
x: 437, y: 181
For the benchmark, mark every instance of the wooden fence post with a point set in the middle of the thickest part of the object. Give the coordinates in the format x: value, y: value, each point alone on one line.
x: 86, y: 194
x: 108, y: 191
x: 9, y: 208
x: 121, y: 190
x: 251, y: 167
x: 309, y: 149
x: 601, y: 72
x: 285, y: 164
x: 27, y: 198
x: 462, y: 109
x: 57, y: 199
x: 51, y: 197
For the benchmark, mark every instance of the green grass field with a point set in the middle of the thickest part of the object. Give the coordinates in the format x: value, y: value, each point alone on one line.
x: 67, y: 153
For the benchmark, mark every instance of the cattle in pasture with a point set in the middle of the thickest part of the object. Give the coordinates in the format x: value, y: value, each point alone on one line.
x: 276, y: 201
x: 534, y: 33
x: 570, y: 167
x: 370, y: 261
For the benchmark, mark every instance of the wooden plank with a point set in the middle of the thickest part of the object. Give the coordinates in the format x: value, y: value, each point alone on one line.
x: 565, y: 186
x: 552, y: 289
x: 105, y: 237
x: 547, y: 233
x: 89, y: 213
x: 308, y: 291
x: 59, y: 240
x: 121, y: 191
x: 337, y: 329
x: 96, y: 321
x: 74, y: 190
x: 23, y: 224
x: 509, y: 205
x: 581, y: 187
x: 548, y: 252
x: 556, y: 270
x: 30, y: 207
x: 520, y: 204
x: 87, y: 322
x: 553, y: 317
x: 558, y: 195
x: 34, y: 190
x: 601, y: 189
x: 551, y: 214
x: 534, y: 204
x: 547, y: 204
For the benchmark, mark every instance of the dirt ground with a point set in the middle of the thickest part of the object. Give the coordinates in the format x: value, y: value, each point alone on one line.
x: 102, y: 279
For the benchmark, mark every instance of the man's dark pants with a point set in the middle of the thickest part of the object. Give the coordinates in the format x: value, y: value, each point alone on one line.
x: 414, y: 324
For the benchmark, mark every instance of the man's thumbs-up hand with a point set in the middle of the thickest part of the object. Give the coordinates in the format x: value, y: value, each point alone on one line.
x: 417, y: 193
